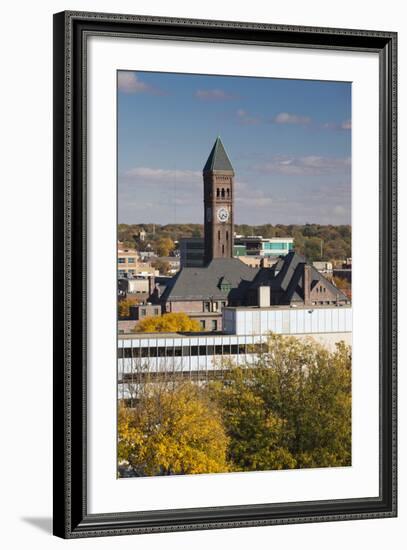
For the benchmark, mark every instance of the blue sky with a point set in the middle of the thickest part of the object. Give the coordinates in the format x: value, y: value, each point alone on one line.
x: 289, y: 142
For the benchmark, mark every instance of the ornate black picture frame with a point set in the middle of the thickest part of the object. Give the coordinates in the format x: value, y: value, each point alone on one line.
x: 71, y: 517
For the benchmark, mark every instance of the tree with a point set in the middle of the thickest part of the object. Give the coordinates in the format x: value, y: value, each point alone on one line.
x: 313, y: 248
x: 164, y: 246
x: 255, y: 433
x: 172, y: 431
x: 291, y: 409
x: 344, y: 285
x: 124, y: 308
x: 162, y: 266
x: 169, y: 322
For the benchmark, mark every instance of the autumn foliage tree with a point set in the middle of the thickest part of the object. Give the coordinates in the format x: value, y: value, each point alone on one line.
x: 124, y: 308
x: 162, y: 266
x: 344, y: 285
x: 169, y: 322
x: 172, y: 431
x: 164, y: 246
x: 291, y: 409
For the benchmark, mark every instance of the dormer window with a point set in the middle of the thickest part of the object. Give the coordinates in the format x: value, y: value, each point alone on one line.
x: 224, y: 285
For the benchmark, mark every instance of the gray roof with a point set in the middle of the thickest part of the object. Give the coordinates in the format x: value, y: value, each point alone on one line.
x: 203, y: 283
x: 286, y: 277
x: 218, y: 158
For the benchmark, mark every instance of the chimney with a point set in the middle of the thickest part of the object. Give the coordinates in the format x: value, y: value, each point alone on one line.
x: 306, y: 281
x: 263, y: 297
x: 151, y: 285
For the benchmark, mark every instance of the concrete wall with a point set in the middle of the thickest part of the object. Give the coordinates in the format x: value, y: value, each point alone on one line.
x: 310, y: 320
x: 210, y: 358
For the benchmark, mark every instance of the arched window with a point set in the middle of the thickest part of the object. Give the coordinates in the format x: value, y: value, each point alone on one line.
x: 218, y: 235
x: 217, y: 192
x: 223, y: 192
x: 228, y: 192
x: 227, y: 235
x: 223, y: 249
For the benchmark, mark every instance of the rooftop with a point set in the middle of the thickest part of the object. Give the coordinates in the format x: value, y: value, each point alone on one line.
x: 218, y: 158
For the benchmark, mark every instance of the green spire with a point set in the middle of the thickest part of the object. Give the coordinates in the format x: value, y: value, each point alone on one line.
x: 218, y: 158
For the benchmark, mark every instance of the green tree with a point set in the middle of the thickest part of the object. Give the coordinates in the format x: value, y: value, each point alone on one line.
x: 313, y: 248
x: 291, y: 409
x: 172, y: 431
x: 169, y: 322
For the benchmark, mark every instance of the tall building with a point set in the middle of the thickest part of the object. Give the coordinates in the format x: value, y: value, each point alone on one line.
x: 251, y: 250
x: 218, y: 177
x: 203, y: 291
x: 127, y: 260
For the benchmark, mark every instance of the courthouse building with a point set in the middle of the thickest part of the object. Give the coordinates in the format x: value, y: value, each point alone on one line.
x: 223, y: 280
x: 237, y: 305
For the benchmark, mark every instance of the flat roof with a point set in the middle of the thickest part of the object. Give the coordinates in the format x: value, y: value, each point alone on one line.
x: 286, y: 308
x: 148, y: 335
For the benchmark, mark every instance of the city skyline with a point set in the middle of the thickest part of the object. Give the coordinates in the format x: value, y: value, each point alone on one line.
x: 289, y: 142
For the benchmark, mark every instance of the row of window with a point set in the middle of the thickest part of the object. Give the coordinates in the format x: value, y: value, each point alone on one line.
x: 222, y: 192
x: 324, y: 303
x: 190, y: 351
x: 227, y: 235
x: 277, y: 246
x: 213, y: 306
x: 213, y: 325
x: 124, y: 271
x: 126, y: 260
x: 143, y: 312
x: 133, y: 377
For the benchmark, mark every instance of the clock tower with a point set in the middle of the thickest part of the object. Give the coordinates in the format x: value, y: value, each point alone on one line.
x: 218, y: 177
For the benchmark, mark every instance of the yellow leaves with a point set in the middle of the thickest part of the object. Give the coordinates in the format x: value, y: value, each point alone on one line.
x: 164, y: 246
x: 169, y: 322
x: 173, y: 431
x: 291, y: 409
x: 124, y: 309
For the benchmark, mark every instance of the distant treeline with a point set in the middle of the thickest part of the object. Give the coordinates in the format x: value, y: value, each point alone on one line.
x: 316, y: 242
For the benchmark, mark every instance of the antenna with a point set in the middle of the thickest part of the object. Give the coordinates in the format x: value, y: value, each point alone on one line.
x: 175, y: 196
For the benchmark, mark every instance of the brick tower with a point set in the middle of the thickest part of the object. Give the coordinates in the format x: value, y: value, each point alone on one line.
x: 218, y: 178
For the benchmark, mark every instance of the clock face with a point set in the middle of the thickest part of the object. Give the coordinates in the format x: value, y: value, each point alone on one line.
x: 223, y: 214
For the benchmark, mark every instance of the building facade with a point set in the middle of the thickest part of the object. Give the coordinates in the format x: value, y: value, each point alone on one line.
x: 192, y: 252
x: 218, y: 177
x: 256, y: 245
x: 127, y: 260
x: 204, y: 356
x: 250, y: 250
x: 203, y: 291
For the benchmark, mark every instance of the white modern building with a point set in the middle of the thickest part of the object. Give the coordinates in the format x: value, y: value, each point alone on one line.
x: 202, y: 356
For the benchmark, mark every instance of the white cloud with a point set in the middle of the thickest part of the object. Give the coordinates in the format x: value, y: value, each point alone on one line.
x: 340, y: 211
x: 311, y: 165
x: 161, y: 175
x: 129, y: 83
x: 247, y: 196
x: 345, y: 125
x: 244, y: 117
x: 214, y: 95
x: 290, y: 118
x: 257, y: 202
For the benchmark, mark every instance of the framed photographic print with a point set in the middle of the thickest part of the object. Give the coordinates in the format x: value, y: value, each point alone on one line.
x: 225, y: 274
